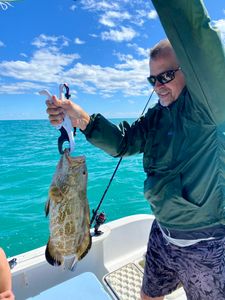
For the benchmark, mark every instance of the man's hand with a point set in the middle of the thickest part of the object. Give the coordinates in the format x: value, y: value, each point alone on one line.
x: 58, y: 108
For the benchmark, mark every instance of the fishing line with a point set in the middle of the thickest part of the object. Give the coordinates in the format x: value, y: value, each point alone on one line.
x: 114, y: 173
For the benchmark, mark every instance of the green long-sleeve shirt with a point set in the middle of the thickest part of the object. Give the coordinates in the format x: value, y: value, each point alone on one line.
x: 183, y: 145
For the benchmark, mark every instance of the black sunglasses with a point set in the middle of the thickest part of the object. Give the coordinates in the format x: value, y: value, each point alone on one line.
x: 163, y: 77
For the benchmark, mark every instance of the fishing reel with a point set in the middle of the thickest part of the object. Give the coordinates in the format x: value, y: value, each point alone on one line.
x: 99, y: 220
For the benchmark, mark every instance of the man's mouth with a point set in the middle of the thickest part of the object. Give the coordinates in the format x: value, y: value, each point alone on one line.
x: 163, y: 94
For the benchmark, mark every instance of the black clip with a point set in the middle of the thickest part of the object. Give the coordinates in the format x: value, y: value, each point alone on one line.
x: 67, y: 93
x: 63, y: 138
x: 12, y: 263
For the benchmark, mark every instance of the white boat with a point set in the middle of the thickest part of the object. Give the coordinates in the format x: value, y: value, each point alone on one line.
x: 113, y: 268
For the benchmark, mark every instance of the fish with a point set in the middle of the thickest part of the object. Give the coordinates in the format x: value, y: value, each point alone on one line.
x: 69, y: 213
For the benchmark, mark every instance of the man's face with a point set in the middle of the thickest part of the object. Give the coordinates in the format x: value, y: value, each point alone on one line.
x: 170, y: 91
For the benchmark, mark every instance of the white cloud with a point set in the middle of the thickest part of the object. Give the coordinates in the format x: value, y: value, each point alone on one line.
x: 45, y: 66
x: 93, y: 35
x: 111, y: 18
x: 127, y: 77
x: 54, y: 41
x: 2, y: 44
x: 48, y: 68
x: 78, y: 41
x: 73, y: 7
x: 124, y: 58
x: 124, y: 34
x: 49, y: 65
x: 99, y: 5
x: 138, y: 11
x: 19, y: 87
x: 220, y: 24
x: 140, y: 51
x: 152, y: 14
x: 23, y: 54
x: 108, y: 81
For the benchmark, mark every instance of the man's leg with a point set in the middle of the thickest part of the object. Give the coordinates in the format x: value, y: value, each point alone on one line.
x: 160, y: 278
x: 203, y: 270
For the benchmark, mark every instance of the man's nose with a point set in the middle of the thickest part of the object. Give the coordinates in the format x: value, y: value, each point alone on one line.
x: 158, y: 84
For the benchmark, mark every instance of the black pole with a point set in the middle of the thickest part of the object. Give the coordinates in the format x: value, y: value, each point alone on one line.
x: 114, y: 173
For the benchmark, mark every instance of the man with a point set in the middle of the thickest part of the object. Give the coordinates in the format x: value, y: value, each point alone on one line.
x: 182, y: 140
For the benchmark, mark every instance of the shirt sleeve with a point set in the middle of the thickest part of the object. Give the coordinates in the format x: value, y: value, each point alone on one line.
x: 199, y: 51
x: 117, y: 140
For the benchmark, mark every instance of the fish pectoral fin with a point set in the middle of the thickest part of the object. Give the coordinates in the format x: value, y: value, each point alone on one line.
x: 47, y: 206
x: 51, y: 257
x: 55, y: 194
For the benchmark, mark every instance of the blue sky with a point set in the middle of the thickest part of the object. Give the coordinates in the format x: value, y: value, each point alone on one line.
x: 100, y: 47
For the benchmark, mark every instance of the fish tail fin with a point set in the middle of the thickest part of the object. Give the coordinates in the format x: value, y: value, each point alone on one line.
x: 74, y: 264
x: 52, y: 259
x: 70, y: 262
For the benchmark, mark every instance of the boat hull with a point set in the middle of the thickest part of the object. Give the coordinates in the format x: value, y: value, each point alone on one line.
x: 123, y: 241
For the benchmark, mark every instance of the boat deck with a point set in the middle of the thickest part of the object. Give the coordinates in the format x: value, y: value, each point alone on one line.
x: 121, y: 284
x: 125, y: 283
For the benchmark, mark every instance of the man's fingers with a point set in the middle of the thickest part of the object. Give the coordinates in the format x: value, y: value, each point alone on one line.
x: 57, y: 102
x: 54, y: 102
x: 50, y: 104
x: 56, y: 122
x: 54, y: 111
x: 56, y: 119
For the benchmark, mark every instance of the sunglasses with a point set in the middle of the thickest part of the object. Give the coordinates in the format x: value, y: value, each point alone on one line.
x: 163, y: 77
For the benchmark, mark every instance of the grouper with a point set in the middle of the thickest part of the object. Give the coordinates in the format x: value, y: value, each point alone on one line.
x: 69, y: 214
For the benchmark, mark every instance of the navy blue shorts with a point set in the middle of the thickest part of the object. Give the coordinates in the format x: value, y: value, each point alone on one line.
x: 200, y: 268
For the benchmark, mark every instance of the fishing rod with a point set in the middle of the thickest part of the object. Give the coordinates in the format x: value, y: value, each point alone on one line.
x: 100, y: 219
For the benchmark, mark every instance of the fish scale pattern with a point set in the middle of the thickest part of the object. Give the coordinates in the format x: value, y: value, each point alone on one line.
x: 125, y: 282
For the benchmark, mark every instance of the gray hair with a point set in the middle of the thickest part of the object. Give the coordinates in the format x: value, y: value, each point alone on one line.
x: 161, y: 49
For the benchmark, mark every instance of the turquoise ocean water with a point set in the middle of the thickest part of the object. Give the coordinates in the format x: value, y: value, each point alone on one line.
x: 28, y: 157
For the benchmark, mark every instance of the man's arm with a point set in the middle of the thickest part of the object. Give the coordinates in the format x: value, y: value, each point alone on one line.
x: 117, y: 141
x: 199, y: 50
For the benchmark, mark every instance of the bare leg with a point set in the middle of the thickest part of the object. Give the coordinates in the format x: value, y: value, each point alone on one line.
x: 145, y: 297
